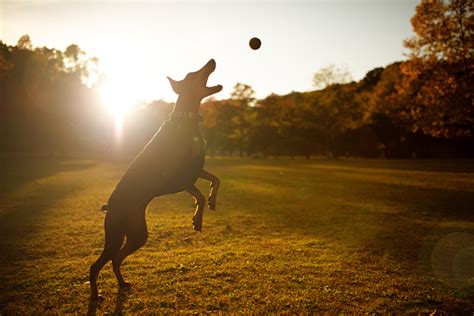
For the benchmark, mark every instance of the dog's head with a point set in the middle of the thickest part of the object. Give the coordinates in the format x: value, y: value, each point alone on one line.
x: 194, y: 86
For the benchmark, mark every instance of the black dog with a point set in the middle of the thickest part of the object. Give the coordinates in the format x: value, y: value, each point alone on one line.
x: 171, y: 162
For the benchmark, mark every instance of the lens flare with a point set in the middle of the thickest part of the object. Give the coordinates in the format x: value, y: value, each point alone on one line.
x: 118, y: 99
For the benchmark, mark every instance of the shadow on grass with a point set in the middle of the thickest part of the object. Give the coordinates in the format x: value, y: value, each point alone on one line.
x: 24, y: 218
x: 18, y: 211
x: 18, y: 171
x: 393, y: 226
x: 433, y: 203
x: 376, y: 217
x: 22, y: 171
x: 452, y: 166
x: 120, y: 299
x: 417, y: 165
x: 24, y: 214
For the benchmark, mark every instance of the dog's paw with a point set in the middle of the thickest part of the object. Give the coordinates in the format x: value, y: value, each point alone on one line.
x: 98, y: 298
x: 197, y: 223
x: 211, y: 203
x: 126, y: 286
x: 197, y: 227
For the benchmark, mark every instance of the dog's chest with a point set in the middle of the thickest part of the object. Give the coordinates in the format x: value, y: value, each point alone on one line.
x: 176, y: 152
x: 169, y: 163
x: 198, y: 147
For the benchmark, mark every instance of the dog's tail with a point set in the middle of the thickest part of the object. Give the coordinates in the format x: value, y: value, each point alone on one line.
x: 104, y: 207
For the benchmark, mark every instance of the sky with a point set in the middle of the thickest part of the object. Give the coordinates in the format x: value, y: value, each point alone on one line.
x: 139, y: 43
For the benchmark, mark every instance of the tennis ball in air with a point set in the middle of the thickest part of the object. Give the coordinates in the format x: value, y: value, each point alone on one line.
x: 255, y: 43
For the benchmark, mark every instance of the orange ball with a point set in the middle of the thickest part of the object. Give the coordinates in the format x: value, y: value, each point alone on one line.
x: 255, y: 43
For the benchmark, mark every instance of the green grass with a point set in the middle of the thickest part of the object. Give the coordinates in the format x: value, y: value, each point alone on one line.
x: 288, y: 236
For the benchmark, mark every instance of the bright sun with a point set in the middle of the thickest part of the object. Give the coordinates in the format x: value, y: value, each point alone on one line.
x: 117, y: 98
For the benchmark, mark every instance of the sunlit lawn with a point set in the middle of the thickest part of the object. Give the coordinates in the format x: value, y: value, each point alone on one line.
x: 288, y: 236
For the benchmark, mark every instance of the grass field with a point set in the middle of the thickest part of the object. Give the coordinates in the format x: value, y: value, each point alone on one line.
x: 287, y: 236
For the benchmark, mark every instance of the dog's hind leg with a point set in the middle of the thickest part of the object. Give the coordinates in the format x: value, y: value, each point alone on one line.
x: 215, y: 183
x: 137, y: 235
x: 114, y: 237
x: 200, y: 202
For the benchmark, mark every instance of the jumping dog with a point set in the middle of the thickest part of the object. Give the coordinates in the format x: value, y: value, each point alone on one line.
x: 171, y: 162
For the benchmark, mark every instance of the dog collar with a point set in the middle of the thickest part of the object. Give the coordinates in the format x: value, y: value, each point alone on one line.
x: 186, y: 115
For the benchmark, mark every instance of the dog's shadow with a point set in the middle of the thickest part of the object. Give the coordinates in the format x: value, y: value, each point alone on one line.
x: 120, y: 299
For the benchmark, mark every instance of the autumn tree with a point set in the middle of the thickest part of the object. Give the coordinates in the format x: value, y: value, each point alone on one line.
x: 24, y: 42
x: 217, y: 126
x: 384, y: 108
x: 5, y: 66
x: 284, y: 125
x: 330, y: 75
x: 44, y: 103
x: 243, y: 97
x: 439, y: 77
x: 269, y: 116
x: 443, y: 31
x: 244, y: 94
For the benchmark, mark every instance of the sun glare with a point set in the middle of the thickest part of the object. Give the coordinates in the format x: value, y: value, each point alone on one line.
x: 118, y: 99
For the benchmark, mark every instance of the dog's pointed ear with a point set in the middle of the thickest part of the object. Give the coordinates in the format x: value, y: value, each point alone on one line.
x: 174, y: 85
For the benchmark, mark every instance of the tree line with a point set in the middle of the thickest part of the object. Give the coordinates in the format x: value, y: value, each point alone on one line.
x: 421, y: 107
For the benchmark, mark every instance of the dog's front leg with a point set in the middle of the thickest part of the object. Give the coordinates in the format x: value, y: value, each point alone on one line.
x: 215, y: 183
x: 200, y: 202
